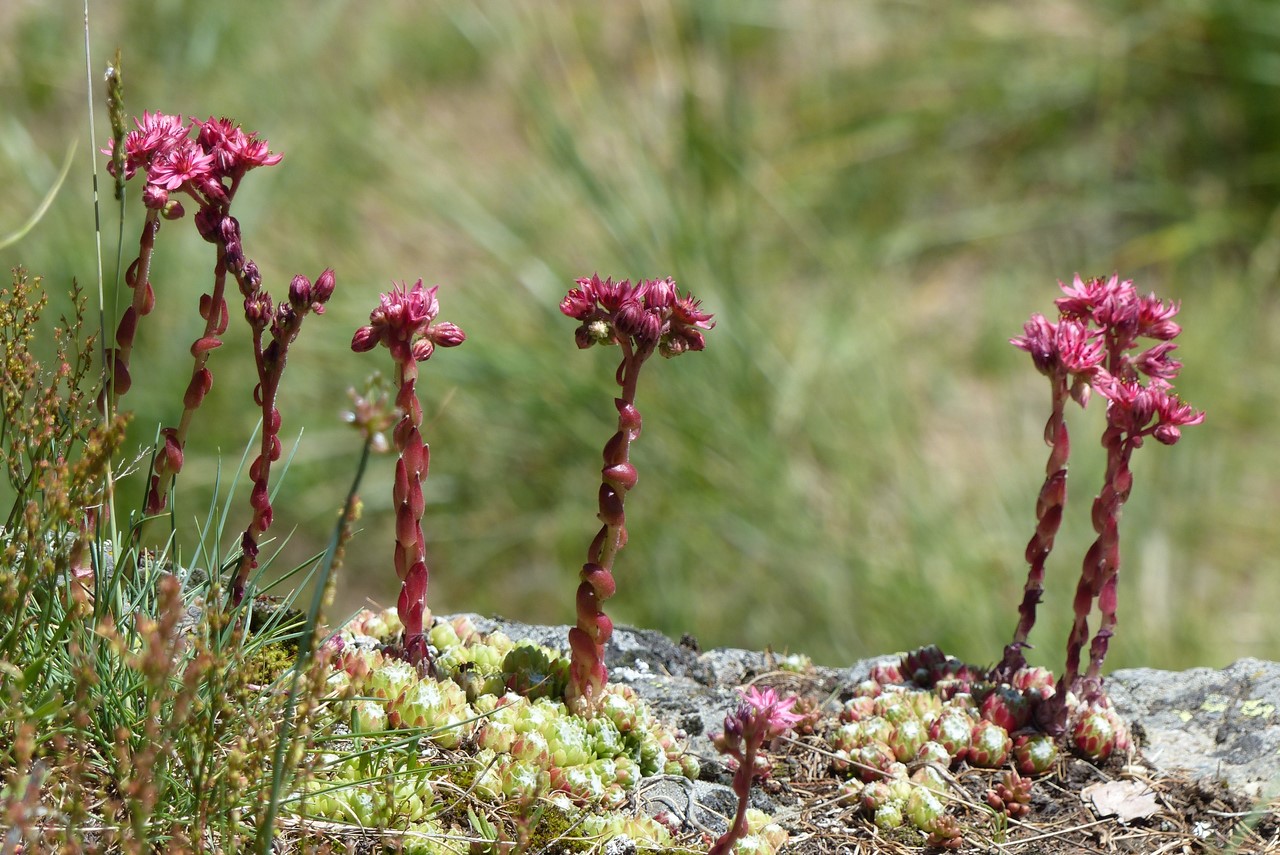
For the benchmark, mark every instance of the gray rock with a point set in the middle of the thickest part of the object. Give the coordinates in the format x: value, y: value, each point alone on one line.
x: 1223, y: 725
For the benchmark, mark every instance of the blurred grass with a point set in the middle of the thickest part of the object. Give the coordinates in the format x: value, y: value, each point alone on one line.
x: 872, y: 197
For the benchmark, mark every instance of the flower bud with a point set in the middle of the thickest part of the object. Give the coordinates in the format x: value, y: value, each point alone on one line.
x: 323, y: 289
x: 446, y: 334
x: 299, y: 292
x: 422, y: 349
x: 365, y: 338
x: 155, y: 197
x: 252, y: 277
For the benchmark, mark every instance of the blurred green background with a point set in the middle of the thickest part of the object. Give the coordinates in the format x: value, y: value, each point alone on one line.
x: 871, y: 196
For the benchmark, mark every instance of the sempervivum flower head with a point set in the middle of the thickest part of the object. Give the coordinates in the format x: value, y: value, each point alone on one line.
x: 179, y: 164
x: 768, y: 712
x: 1096, y: 299
x: 234, y: 151
x: 157, y: 132
x: 403, y: 322
x: 1151, y: 410
x: 1067, y: 347
x: 648, y: 313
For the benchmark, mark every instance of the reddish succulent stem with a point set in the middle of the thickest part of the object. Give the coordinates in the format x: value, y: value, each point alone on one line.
x: 1100, y: 572
x: 1049, y: 505
x: 411, y: 545
x: 138, y: 278
x: 742, y: 779
x: 1102, y: 563
x: 284, y: 323
x: 213, y: 307
x: 618, y: 475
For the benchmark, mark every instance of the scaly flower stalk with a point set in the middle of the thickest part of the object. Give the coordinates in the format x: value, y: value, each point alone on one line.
x: 1105, y: 319
x: 1133, y: 413
x: 1068, y: 354
x: 760, y: 717
x: 283, y: 323
x: 213, y: 308
x: 208, y: 169
x: 640, y: 319
x: 403, y: 322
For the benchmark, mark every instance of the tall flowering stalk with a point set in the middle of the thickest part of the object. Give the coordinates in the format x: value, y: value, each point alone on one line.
x: 1134, y: 411
x: 641, y: 319
x: 282, y: 324
x: 1091, y: 347
x: 1069, y: 354
x: 403, y: 322
x: 207, y: 170
x: 760, y: 717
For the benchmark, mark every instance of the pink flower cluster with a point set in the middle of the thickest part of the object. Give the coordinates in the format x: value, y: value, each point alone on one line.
x: 1100, y: 325
x: 650, y: 312
x: 403, y: 322
x: 208, y: 168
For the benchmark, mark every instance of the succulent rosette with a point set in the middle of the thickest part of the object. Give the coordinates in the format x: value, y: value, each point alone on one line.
x: 989, y: 745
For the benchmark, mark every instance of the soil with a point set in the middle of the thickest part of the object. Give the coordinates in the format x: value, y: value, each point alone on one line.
x: 1188, y: 816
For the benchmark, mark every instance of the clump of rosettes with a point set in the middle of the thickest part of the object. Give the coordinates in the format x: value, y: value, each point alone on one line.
x: 514, y: 746
x: 642, y: 318
x: 404, y: 322
x: 897, y: 732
